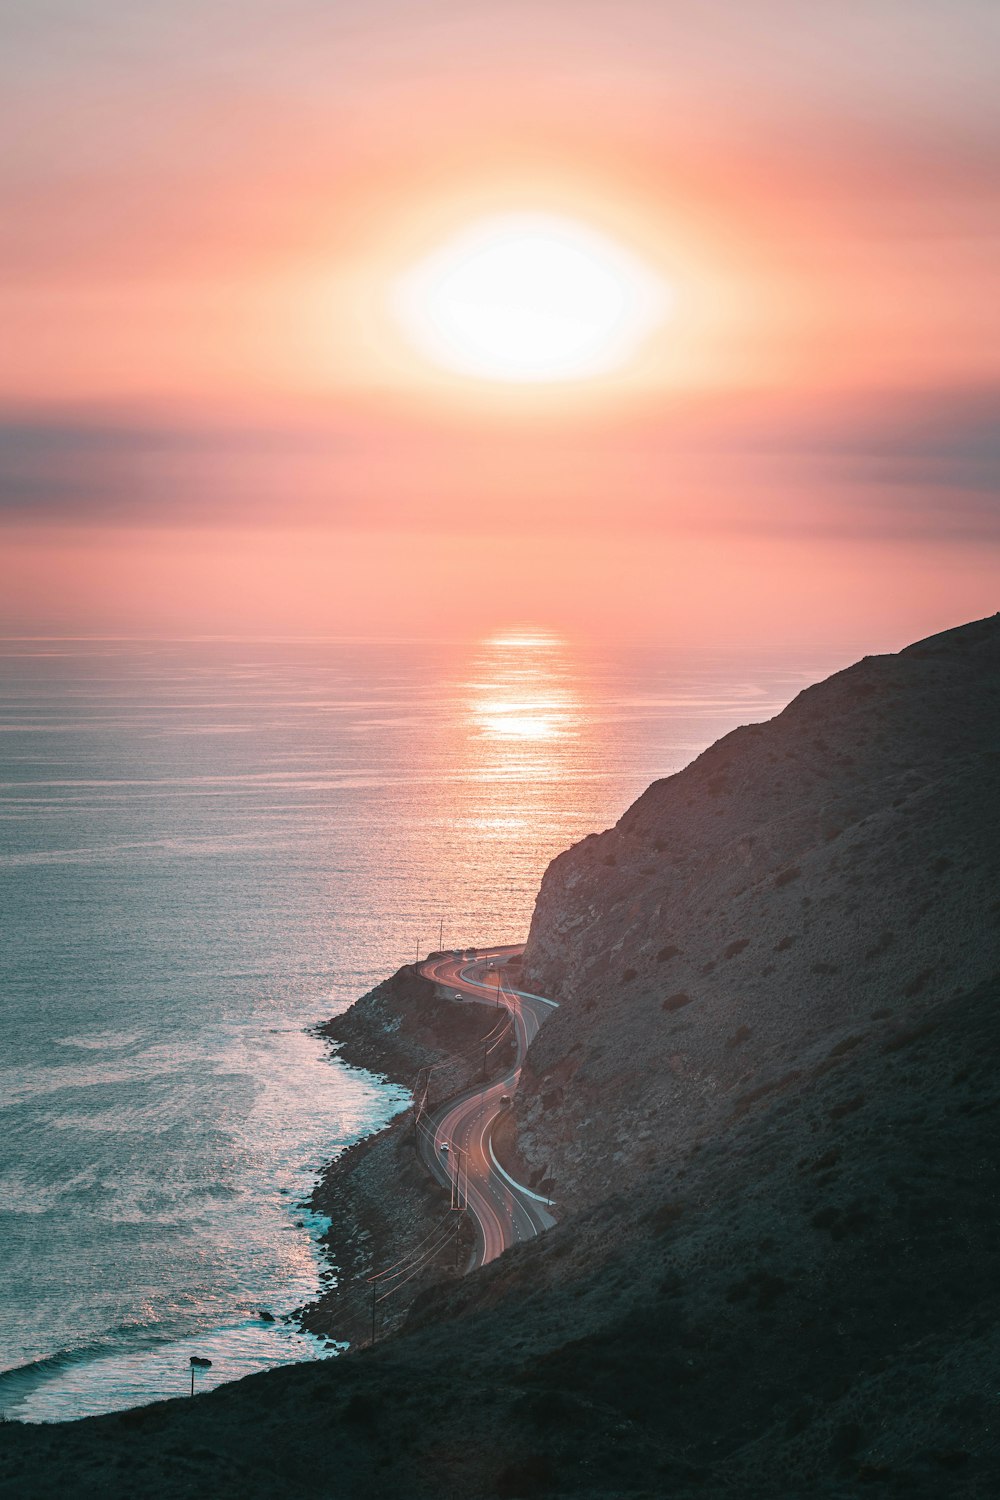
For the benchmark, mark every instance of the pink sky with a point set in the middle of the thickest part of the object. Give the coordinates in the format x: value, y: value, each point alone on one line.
x: 208, y: 423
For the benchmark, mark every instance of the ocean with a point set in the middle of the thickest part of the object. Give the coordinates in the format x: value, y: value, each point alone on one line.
x: 206, y: 847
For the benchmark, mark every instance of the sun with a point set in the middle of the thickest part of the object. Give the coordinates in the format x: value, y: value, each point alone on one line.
x: 529, y: 298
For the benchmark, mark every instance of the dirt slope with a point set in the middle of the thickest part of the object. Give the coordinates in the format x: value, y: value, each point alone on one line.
x: 799, y: 882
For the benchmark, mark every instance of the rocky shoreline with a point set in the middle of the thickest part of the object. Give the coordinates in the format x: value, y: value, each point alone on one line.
x: 384, y: 1208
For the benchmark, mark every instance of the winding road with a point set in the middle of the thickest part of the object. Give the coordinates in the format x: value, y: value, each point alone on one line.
x: 505, y: 1212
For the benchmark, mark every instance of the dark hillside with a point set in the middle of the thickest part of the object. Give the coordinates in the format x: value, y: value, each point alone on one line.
x: 805, y: 1306
x: 799, y: 882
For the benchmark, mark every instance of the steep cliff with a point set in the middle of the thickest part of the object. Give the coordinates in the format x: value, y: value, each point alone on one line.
x: 801, y: 882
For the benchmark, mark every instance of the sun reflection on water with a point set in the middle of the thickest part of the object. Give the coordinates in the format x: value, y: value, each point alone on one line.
x: 524, y: 692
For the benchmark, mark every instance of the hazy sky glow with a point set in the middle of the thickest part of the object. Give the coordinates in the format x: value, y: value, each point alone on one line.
x: 213, y: 420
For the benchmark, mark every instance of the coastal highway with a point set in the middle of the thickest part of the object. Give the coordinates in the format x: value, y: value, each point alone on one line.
x: 505, y: 1212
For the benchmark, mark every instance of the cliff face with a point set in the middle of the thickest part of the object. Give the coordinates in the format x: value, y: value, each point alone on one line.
x: 800, y: 884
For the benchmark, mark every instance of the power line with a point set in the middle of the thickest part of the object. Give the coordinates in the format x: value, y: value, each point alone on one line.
x: 413, y: 1273
x: 405, y: 1258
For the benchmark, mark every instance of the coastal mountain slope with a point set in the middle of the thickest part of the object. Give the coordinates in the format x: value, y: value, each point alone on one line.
x: 801, y: 881
x: 776, y: 1272
x: 807, y: 1307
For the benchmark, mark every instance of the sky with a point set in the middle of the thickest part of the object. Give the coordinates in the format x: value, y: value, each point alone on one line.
x: 212, y: 422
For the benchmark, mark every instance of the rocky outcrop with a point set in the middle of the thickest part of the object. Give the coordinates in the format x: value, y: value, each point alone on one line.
x: 407, y: 1030
x: 802, y: 882
x: 378, y: 1196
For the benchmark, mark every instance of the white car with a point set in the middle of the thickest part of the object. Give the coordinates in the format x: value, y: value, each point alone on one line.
x: 444, y: 1147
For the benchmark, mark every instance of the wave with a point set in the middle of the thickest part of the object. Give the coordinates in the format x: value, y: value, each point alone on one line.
x: 20, y: 1380
x: 102, y: 1377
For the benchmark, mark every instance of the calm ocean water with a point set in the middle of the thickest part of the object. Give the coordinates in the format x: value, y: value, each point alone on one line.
x: 204, y: 849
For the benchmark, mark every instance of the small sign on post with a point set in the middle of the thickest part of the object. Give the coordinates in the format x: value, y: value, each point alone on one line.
x: 198, y: 1362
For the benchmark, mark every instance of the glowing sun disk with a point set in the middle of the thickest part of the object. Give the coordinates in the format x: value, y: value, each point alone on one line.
x: 529, y: 297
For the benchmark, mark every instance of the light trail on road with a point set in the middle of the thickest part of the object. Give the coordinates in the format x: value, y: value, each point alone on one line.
x: 505, y: 1213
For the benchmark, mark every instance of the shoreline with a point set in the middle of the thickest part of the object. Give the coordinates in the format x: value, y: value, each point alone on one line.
x: 119, y: 1368
x: 385, y: 1208
x: 367, y: 1208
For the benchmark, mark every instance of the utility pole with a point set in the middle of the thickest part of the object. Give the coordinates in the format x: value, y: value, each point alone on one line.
x: 419, y: 1104
x: 456, y: 1177
x: 441, y: 936
x: 485, y: 1050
